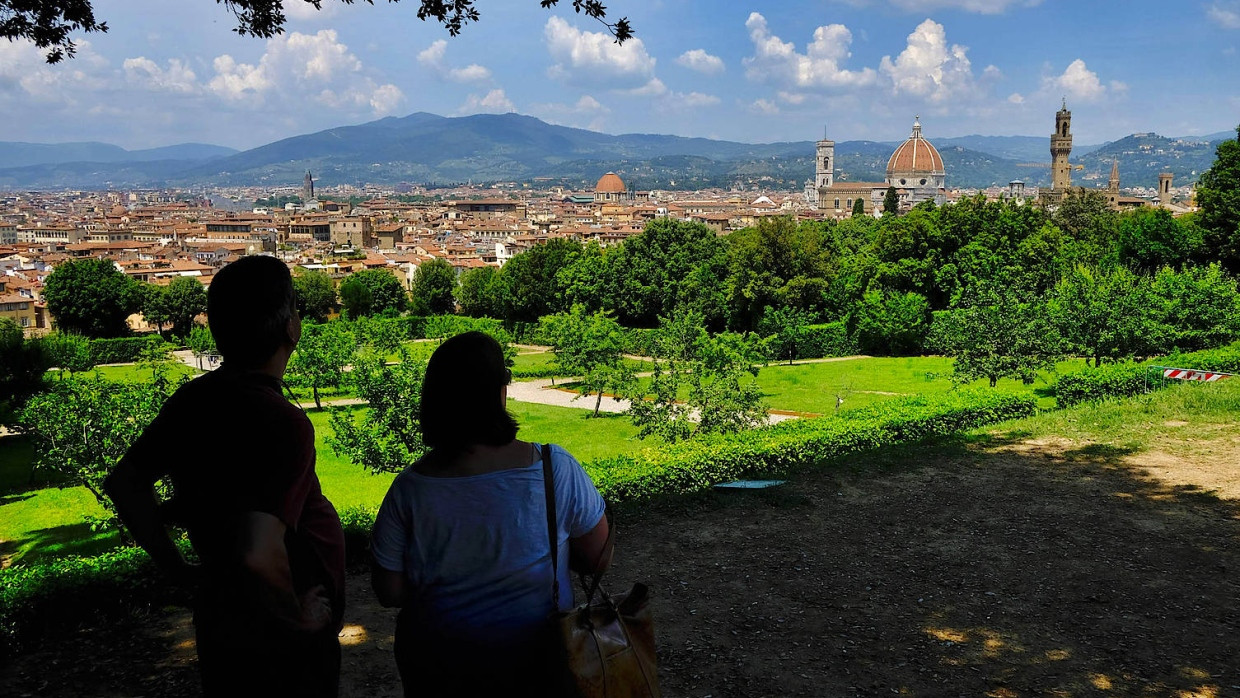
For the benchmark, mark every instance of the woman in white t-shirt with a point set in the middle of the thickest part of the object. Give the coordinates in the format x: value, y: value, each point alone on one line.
x: 461, y: 542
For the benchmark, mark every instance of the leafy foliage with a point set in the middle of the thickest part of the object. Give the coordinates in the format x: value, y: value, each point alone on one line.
x: 785, y: 329
x: 387, y: 437
x: 891, y: 323
x: 372, y: 292
x: 120, y: 350
x: 81, y: 427
x: 1000, y: 335
x: 91, y: 297
x: 590, y: 345
x: 480, y: 293
x: 22, y: 365
x: 316, y: 294
x: 321, y: 357
x: 1103, y: 382
x: 434, y: 288
x: 1218, y: 195
x: 531, y: 287
x: 67, y: 352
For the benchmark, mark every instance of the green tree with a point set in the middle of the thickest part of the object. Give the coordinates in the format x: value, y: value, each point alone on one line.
x: 201, y: 342
x: 434, y: 288
x: 372, y: 292
x: 480, y: 293
x: 891, y: 202
x: 784, y: 329
x: 1150, y: 238
x: 859, y: 207
x: 387, y: 436
x: 998, y: 335
x: 1106, y: 314
x: 891, y: 323
x: 777, y: 263
x: 316, y: 294
x: 155, y: 307
x: 67, y: 352
x: 671, y: 267
x: 321, y: 357
x: 91, y: 297
x: 1086, y: 217
x: 590, y: 345
x: 384, y: 335
x: 1199, y: 307
x: 158, y: 359
x: 186, y: 299
x: 81, y: 427
x: 23, y: 363
x: 1218, y: 195
x: 714, y: 372
x: 530, y: 280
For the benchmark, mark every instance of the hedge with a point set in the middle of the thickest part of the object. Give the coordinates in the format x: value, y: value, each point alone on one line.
x: 46, y: 596
x: 703, y: 462
x: 1224, y: 359
x: 1105, y: 381
x: 121, y: 350
x: 821, y: 341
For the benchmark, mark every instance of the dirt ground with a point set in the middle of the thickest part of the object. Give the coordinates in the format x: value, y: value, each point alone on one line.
x: 1031, y: 568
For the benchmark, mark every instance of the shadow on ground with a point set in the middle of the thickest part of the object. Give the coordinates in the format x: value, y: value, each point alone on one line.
x: 994, y: 568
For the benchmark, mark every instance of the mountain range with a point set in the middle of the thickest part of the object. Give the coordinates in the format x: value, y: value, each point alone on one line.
x: 430, y: 149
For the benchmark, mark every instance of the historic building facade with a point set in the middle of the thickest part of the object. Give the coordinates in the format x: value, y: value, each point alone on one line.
x: 915, y: 170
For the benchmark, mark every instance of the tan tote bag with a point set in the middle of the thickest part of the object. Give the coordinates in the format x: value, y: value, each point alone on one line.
x: 608, y: 644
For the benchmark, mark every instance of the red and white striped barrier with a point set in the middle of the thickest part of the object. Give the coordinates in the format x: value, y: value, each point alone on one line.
x: 1186, y: 374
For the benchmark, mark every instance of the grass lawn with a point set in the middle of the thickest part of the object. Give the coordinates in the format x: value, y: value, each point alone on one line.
x: 132, y: 373
x: 38, y: 520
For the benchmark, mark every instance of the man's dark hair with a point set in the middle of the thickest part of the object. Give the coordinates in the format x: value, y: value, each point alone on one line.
x: 460, y: 395
x: 249, y: 305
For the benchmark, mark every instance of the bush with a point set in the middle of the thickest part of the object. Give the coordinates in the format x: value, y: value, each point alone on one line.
x: 444, y: 326
x: 821, y: 341
x: 121, y: 350
x: 639, y: 341
x: 1105, y: 381
x: 1224, y: 359
x: 702, y: 462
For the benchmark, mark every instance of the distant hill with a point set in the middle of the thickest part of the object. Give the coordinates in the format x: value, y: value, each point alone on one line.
x: 1142, y: 156
x: 429, y: 149
x: 24, y: 154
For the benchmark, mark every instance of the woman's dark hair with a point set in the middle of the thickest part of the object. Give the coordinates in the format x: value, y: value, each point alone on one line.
x: 249, y: 305
x: 460, y: 395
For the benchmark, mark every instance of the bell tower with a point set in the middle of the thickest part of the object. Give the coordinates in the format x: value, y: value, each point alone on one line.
x: 824, y: 170
x: 1061, y: 148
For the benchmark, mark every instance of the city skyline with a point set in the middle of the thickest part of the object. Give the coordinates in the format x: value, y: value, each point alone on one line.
x: 860, y: 68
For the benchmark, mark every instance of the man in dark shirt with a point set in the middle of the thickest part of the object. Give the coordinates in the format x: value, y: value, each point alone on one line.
x: 240, y: 460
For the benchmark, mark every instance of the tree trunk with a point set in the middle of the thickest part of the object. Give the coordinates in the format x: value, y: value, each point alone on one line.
x: 598, y: 403
x: 993, y: 381
x: 317, y: 405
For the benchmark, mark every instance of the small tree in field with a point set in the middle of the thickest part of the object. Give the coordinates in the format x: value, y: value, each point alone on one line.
x: 784, y: 329
x: 321, y: 357
x: 999, y: 335
x: 81, y: 427
x: 590, y: 345
x: 713, y: 373
x: 434, y: 288
x: 201, y: 342
x: 157, y: 358
x: 386, y: 437
x: 67, y: 352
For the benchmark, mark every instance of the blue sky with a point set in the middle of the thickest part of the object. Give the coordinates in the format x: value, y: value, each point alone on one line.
x: 748, y: 71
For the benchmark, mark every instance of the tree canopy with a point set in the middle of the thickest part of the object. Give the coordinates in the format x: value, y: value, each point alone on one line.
x: 1218, y: 194
x: 91, y: 297
x: 49, y: 23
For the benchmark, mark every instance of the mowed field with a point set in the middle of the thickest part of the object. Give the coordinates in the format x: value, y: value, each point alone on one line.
x: 38, y: 518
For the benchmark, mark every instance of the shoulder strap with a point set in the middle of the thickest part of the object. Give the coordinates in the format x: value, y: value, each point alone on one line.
x: 553, y: 532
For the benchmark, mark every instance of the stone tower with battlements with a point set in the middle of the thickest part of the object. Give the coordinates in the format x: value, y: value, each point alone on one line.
x: 1061, y: 148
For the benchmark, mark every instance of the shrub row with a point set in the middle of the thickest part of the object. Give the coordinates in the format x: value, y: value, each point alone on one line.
x: 703, y: 462
x: 1105, y: 381
x: 1224, y: 359
x: 120, y: 350
x: 821, y: 341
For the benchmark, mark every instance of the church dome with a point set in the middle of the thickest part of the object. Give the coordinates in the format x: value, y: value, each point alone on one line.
x: 609, y: 183
x: 914, y: 160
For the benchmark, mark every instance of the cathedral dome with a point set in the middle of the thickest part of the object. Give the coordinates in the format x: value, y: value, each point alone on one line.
x: 609, y: 183
x: 915, y: 162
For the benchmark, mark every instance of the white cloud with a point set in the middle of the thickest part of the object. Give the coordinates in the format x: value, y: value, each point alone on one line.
x: 777, y: 61
x: 588, y: 58
x: 1076, y: 82
x: 765, y: 107
x: 305, y: 66
x: 1016, y: 98
x: 493, y: 102
x: 302, y: 11
x: 177, y: 77
x: 1225, y: 14
x: 701, y: 61
x: 929, y: 68
x: 433, y: 57
x: 793, y: 98
x: 696, y: 99
x: 653, y: 88
x: 589, y: 104
x: 24, y: 72
x: 986, y: 7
